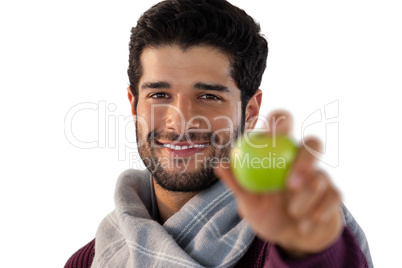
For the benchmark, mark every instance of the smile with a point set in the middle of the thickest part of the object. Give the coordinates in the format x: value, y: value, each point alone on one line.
x: 185, y: 147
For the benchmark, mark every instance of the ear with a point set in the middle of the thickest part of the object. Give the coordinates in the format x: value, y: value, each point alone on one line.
x: 131, y: 98
x: 253, y: 110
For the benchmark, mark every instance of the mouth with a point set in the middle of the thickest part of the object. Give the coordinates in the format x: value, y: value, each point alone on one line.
x: 183, y: 149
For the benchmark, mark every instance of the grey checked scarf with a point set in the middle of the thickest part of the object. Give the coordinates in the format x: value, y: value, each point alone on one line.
x: 205, y: 232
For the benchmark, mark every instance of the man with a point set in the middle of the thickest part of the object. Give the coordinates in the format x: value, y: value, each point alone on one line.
x: 195, y: 68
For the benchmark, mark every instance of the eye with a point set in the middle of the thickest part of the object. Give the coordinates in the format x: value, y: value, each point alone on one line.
x: 159, y: 95
x: 210, y: 97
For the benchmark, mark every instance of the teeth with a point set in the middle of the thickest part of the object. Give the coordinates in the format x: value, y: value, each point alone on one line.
x: 178, y: 148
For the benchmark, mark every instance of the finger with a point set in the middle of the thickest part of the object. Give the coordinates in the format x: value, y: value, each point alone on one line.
x: 223, y: 172
x: 278, y: 122
x: 329, y: 205
x: 303, y: 165
x: 303, y: 202
x: 324, y: 211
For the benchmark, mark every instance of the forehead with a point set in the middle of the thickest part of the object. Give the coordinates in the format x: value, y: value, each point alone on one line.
x: 194, y: 63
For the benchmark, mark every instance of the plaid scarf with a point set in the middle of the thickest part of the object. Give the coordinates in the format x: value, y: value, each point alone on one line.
x: 206, y: 232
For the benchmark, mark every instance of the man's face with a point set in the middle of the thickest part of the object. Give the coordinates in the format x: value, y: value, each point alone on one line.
x: 187, y: 116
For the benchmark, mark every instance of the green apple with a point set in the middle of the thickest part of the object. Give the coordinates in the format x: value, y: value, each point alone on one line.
x: 260, y: 162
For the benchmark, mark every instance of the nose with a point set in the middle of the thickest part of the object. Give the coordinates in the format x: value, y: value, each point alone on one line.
x: 182, y: 115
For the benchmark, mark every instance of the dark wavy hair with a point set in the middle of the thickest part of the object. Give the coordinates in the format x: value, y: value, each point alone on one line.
x: 215, y: 23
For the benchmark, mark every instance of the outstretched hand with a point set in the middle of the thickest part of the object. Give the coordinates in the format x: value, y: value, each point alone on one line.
x: 303, y: 218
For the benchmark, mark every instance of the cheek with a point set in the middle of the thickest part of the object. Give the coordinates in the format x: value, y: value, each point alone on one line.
x: 226, y: 129
x: 228, y: 122
x: 142, y: 123
x: 148, y: 120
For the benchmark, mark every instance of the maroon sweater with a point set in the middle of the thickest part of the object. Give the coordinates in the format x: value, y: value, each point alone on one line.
x: 345, y: 252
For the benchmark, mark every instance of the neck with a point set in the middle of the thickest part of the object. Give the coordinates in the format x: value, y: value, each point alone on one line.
x: 170, y: 202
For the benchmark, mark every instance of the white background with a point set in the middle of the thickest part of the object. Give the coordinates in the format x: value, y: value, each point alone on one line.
x: 57, y: 54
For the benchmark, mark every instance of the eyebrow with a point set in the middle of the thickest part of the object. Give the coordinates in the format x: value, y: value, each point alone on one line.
x: 155, y: 85
x: 213, y: 87
x: 199, y: 86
